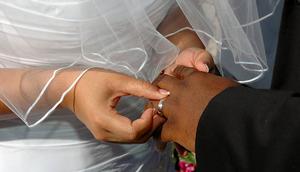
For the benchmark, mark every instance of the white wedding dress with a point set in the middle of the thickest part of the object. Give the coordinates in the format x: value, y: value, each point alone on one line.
x: 45, y: 37
x: 62, y: 143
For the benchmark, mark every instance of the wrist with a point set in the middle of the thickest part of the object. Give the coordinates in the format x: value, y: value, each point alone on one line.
x: 62, y: 82
x: 68, y: 100
x: 186, y: 39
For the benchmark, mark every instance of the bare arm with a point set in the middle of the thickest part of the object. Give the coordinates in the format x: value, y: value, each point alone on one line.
x: 193, y: 52
x: 174, y: 21
x: 22, y: 86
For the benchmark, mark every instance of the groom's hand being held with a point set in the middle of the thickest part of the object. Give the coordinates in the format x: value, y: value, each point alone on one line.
x: 191, y: 91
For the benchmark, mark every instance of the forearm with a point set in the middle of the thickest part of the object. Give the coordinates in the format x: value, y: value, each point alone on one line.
x: 10, y: 84
x: 22, y: 86
x: 174, y: 21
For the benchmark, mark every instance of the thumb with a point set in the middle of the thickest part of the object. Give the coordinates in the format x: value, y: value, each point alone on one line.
x: 203, y: 61
x: 144, y: 89
x: 200, y: 66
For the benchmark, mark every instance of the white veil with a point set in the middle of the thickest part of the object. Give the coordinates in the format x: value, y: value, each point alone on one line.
x: 44, y: 38
x: 231, y: 32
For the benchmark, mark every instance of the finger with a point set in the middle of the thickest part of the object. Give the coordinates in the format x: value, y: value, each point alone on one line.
x: 142, y: 133
x: 203, y: 61
x: 124, y: 130
x: 188, y: 57
x: 160, y: 145
x: 195, y: 57
x: 202, y: 67
x: 157, y: 123
x: 191, y: 57
x: 169, y: 70
x: 118, y: 126
x: 141, y: 88
x: 148, y: 105
x: 144, y: 125
x: 166, y: 82
x: 166, y: 132
x: 181, y: 72
x: 169, y: 105
x: 114, y: 127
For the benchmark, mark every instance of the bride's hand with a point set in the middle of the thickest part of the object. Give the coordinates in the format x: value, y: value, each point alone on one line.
x: 95, y: 97
x: 196, y: 58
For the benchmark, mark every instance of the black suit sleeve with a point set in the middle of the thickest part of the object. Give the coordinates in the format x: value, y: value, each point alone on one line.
x: 248, y: 130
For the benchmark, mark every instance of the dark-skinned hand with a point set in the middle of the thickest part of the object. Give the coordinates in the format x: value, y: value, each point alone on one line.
x: 191, y: 91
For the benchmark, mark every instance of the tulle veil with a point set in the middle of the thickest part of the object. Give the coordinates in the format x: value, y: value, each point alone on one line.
x: 47, y: 37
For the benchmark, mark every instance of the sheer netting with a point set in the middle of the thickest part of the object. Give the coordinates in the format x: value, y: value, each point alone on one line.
x: 42, y: 38
x: 231, y: 32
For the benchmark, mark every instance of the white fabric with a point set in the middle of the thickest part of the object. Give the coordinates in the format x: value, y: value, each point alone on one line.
x: 120, y: 35
x: 58, y: 35
x: 48, y: 34
x: 63, y: 144
x: 231, y: 32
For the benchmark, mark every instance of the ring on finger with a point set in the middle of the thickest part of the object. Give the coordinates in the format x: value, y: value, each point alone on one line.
x: 160, y: 107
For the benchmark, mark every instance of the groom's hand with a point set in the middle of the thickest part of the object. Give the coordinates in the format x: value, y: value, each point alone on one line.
x: 191, y: 91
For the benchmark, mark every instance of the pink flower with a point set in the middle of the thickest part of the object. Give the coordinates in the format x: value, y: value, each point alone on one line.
x: 186, y: 167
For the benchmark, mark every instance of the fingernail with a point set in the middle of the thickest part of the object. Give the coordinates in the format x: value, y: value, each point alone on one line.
x: 204, y: 67
x: 164, y: 92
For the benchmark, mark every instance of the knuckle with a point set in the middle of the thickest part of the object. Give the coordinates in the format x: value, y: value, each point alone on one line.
x: 144, y: 85
x: 133, y: 135
x: 132, y: 84
x: 185, y: 84
x: 179, y: 69
x: 109, y: 83
x: 141, y: 88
